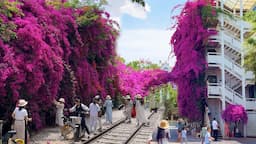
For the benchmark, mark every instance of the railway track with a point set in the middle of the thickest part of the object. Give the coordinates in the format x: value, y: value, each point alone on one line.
x: 123, y: 133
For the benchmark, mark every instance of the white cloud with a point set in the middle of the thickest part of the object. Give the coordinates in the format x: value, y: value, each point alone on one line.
x: 149, y: 44
x: 117, y: 8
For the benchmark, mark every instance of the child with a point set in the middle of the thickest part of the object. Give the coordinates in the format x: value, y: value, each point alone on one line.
x: 184, y: 136
x: 208, y: 138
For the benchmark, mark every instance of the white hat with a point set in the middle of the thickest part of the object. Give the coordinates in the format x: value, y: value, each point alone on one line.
x: 97, y: 97
x: 62, y: 100
x: 108, y: 97
x: 127, y: 97
x: 22, y: 103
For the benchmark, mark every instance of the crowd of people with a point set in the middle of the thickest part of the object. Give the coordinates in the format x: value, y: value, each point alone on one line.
x: 96, y: 110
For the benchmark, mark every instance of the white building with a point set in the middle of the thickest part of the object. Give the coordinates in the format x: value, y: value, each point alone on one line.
x: 227, y: 80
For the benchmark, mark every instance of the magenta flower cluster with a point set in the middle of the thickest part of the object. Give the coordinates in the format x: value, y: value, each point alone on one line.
x: 135, y: 82
x: 54, y: 56
x: 235, y: 113
x: 189, y: 42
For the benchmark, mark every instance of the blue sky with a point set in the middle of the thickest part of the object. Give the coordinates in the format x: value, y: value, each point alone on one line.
x: 144, y: 32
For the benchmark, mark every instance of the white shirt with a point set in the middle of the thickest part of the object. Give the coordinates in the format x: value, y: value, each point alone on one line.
x: 207, y: 138
x: 84, y: 107
x: 184, y: 133
x: 214, y: 125
x: 94, y: 109
x: 20, y: 114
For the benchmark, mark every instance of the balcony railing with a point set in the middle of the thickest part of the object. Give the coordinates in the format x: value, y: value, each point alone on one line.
x: 215, y: 89
x: 215, y: 58
x: 251, y: 103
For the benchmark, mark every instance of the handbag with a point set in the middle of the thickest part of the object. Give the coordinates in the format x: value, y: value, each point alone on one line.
x: 133, y: 114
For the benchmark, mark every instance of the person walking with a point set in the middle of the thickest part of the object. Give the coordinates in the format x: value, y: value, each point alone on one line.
x: 94, y: 110
x: 20, y: 116
x: 140, y: 113
x: 215, y: 127
x: 203, y: 133
x: 128, y: 108
x: 60, y: 104
x: 80, y: 109
x: 108, y: 106
x: 184, y: 136
x: 208, y: 138
x: 100, y: 112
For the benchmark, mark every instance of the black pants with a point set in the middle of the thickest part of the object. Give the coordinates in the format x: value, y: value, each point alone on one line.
x: 215, y: 135
x: 84, y: 126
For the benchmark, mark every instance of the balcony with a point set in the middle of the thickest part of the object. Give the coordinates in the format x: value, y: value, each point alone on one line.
x: 251, y: 103
x: 215, y: 58
x: 214, y: 89
x: 233, y: 97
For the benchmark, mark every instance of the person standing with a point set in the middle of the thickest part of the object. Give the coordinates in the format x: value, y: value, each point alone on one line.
x: 94, y: 110
x: 140, y: 113
x: 161, y: 135
x: 60, y: 104
x: 108, y: 105
x: 184, y: 136
x: 20, y: 116
x: 128, y: 108
x: 203, y: 133
x: 80, y: 109
x: 215, y: 127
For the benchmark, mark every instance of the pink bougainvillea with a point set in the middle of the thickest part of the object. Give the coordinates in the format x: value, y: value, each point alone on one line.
x: 189, y: 42
x: 54, y: 54
x: 234, y: 113
x: 138, y: 81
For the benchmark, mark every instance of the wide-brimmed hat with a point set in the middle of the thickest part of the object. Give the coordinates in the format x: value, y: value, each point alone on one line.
x: 127, y: 97
x: 62, y: 100
x: 108, y: 97
x: 22, y: 102
x: 97, y: 97
x: 138, y: 96
x: 164, y: 124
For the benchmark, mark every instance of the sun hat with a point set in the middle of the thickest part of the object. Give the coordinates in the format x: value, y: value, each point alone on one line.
x: 138, y: 96
x: 108, y: 97
x: 22, y: 102
x: 62, y: 100
x: 164, y: 124
x: 97, y: 97
x: 127, y: 97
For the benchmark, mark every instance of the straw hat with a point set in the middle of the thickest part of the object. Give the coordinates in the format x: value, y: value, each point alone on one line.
x: 62, y: 100
x: 108, y: 97
x: 164, y: 124
x: 22, y: 103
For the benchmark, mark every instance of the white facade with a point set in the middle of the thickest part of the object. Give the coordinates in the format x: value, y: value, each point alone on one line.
x: 228, y: 82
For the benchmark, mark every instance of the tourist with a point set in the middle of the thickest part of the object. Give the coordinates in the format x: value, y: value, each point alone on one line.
x: 203, y: 133
x: 161, y: 135
x: 128, y: 108
x: 94, y: 110
x: 108, y: 106
x: 208, y: 138
x: 80, y: 109
x: 140, y: 113
x: 184, y: 135
x: 60, y: 104
x: 20, y: 116
x: 215, y: 128
x: 100, y: 112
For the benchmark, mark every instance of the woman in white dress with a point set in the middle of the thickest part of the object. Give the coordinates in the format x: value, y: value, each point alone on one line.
x: 140, y: 113
x: 60, y: 104
x: 20, y: 115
